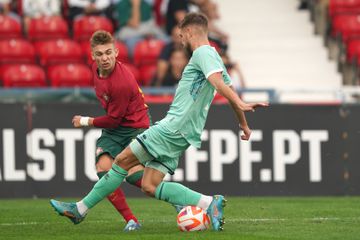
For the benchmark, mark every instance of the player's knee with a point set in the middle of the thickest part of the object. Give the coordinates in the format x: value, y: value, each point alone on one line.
x: 126, y: 159
x: 148, y: 188
x: 118, y: 159
x: 121, y: 159
x: 104, y: 163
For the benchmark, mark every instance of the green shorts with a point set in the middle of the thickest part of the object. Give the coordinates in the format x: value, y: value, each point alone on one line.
x: 114, y: 141
x: 159, y: 148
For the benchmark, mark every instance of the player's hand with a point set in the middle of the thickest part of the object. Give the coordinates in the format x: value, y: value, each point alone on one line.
x: 250, y: 107
x: 76, y: 121
x: 246, y: 133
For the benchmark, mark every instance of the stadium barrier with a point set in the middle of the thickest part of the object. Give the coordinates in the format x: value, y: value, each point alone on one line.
x: 294, y: 150
x: 346, y: 94
x: 66, y: 95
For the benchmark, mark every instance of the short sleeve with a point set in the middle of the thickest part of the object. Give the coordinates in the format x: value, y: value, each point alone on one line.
x: 227, y: 78
x: 208, y: 61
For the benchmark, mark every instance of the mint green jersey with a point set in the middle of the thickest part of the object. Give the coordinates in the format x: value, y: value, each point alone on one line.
x: 194, y: 94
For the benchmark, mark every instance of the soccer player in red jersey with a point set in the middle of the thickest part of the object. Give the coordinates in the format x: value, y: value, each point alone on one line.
x: 126, y: 116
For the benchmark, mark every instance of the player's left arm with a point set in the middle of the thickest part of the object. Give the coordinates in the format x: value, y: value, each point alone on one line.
x: 236, y: 103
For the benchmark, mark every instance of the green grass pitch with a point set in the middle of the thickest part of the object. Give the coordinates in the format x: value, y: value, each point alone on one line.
x: 246, y: 218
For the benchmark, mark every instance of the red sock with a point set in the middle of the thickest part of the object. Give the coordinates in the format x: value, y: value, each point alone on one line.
x: 138, y: 183
x: 135, y: 178
x: 117, y: 199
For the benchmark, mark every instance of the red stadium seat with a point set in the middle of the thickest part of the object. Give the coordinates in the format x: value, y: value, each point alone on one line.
x: 346, y: 26
x: 24, y: 75
x: 84, y: 27
x: 160, y: 19
x: 218, y: 99
x: 46, y: 28
x: 3, y: 69
x: 70, y: 75
x: 122, y: 57
x: 19, y: 6
x: 86, y: 49
x: 147, y: 51
x: 123, y: 52
x: 65, y: 8
x: 16, y: 51
x: 147, y: 73
x: 343, y: 7
x: 353, y: 51
x: 215, y: 45
x: 134, y: 71
x: 9, y: 28
x: 59, y: 51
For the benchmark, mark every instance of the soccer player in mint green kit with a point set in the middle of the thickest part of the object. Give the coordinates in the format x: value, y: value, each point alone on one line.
x: 159, y: 147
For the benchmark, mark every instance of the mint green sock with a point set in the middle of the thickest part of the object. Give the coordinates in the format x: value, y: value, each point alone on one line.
x: 177, y: 194
x: 101, y: 174
x: 106, y: 185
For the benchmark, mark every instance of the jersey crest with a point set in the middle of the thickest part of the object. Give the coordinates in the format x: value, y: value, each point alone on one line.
x: 105, y: 97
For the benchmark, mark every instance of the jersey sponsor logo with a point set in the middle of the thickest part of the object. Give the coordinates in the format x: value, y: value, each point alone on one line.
x: 197, y: 85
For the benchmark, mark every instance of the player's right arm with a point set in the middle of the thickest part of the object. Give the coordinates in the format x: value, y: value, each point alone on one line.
x: 118, y: 102
x: 80, y: 121
x: 236, y: 103
x: 116, y: 109
x: 226, y: 91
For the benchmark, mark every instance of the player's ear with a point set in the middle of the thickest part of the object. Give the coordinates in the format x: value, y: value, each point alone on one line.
x: 92, y: 55
x: 116, y: 51
x: 192, y: 31
x: 188, y: 31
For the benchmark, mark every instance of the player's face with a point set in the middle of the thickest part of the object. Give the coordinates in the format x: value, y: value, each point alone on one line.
x: 175, y: 35
x: 105, y: 56
x: 185, y: 36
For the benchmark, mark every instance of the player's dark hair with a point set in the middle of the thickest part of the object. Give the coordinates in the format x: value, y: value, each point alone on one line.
x: 196, y: 19
x: 100, y: 38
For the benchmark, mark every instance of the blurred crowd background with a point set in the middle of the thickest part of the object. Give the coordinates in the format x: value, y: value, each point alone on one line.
x: 45, y: 43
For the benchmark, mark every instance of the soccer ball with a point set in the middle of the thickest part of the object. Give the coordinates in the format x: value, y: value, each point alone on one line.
x: 192, y: 218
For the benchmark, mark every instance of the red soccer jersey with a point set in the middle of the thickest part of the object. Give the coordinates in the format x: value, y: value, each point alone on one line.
x: 122, y: 99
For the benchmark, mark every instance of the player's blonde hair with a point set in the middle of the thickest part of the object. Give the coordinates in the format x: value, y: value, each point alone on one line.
x: 101, y: 37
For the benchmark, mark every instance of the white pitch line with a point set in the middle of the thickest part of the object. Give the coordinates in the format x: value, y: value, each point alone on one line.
x: 43, y: 223
x: 258, y: 220
x: 21, y: 223
x: 226, y: 220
